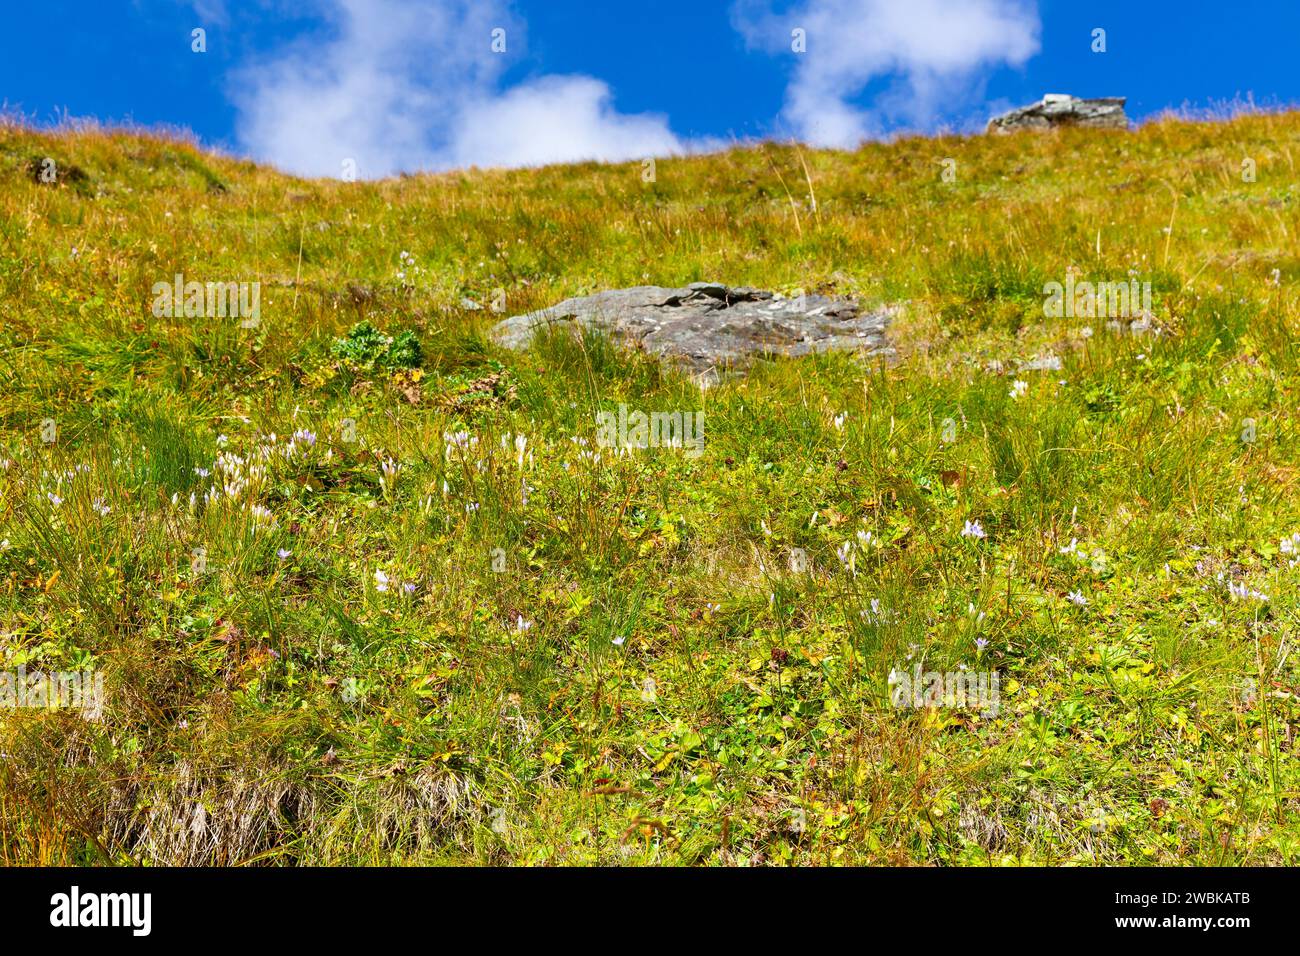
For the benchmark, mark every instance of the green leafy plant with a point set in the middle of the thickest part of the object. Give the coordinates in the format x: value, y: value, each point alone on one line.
x: 366, y: 346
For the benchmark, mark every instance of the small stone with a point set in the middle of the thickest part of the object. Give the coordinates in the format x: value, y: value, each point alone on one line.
x: 708, y: 327
x: 715, y: 289
x: 1061, y: 109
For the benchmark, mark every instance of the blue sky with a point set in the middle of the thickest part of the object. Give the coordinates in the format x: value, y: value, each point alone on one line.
x: 393, y: 85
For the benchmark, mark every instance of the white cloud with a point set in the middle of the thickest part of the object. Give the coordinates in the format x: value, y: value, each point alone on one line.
x: 408, y: 85
x: 935, y: 55
x: 553, y: 120
x: 211, y: 12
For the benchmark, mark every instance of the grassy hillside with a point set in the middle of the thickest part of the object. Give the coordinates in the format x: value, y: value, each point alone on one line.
x: 363, y: 588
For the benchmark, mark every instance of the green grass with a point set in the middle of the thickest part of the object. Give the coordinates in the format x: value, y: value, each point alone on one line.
x: 652, y: 658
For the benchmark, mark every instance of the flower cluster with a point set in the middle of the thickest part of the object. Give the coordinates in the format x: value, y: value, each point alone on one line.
x: 384, y: 584
x: 1242, y: 592
x: 1096, y: 560
x: 407, y: 270
x: 1291, y: 548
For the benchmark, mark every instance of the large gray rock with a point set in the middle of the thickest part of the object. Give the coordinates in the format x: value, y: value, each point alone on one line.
x: 710, y: 328
x: 1061, y: 109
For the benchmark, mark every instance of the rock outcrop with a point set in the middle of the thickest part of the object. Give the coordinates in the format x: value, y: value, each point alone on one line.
x: 1061, y: 109
x: 710, y: 328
